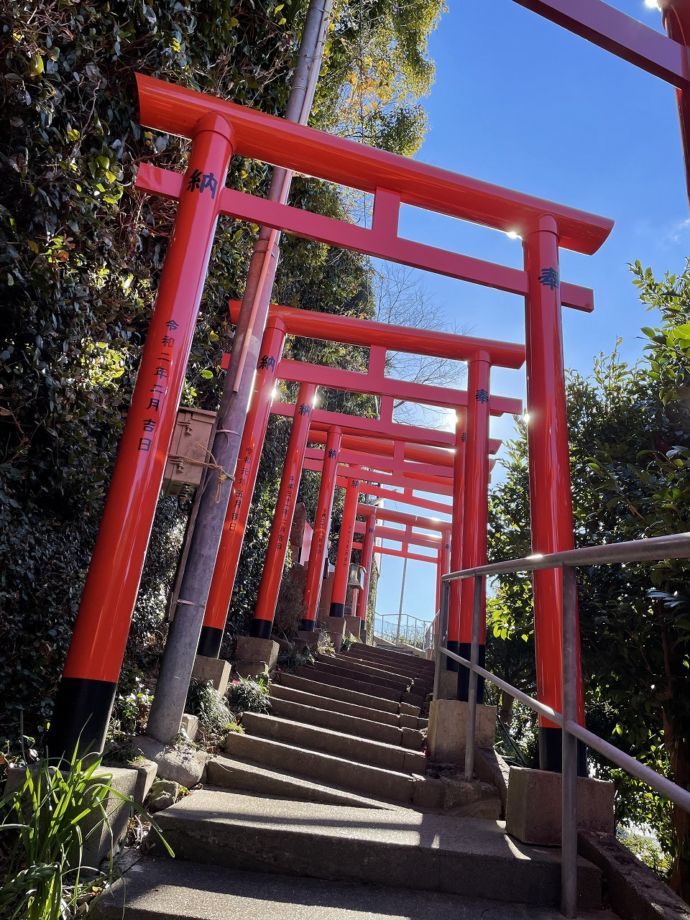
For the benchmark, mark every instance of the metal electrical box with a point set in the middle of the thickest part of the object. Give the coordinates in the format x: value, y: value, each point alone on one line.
x: 189, y: 449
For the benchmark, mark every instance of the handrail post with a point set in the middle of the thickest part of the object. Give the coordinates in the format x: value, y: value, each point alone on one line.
x: 470, y: 732
x: 441, y: 633
x: 569, y: 746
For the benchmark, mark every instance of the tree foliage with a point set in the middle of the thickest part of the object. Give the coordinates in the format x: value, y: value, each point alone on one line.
x: 630, y: 466
x: 80, y: 259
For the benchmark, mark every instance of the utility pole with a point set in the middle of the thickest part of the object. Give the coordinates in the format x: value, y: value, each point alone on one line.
x: 183, y: 637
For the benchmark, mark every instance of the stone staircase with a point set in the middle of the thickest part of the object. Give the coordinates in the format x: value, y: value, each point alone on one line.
x: 325, y: 809
x: 346, y: 722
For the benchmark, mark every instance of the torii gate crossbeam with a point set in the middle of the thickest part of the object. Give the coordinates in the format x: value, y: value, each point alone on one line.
x: 613, y: 30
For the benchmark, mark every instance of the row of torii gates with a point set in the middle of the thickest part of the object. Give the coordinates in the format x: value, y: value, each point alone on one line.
x: 373, y: 457
x: 369, y: 457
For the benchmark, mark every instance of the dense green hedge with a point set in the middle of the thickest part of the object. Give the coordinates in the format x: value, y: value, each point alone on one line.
x: 79, y: 262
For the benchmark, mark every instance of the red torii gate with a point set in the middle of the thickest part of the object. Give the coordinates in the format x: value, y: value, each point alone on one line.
x: 442, y: 542
x: 375, y: 490
x: 387, y: 470
x: 407, y: 539
x: 407, y: 495
x: 219, y: 130
x: 424, y: 475
x: 368, y: 485
x: 667, y: 58
x: 368, y: 465
x: 425, y: 523
x: 353, y: 480
x: 440, y: 485
x: 379, y: 337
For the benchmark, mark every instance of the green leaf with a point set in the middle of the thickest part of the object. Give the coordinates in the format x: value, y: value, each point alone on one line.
x: 36, y: 66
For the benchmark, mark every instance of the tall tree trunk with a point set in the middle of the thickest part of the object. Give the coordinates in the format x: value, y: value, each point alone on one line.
x: 505, y: 712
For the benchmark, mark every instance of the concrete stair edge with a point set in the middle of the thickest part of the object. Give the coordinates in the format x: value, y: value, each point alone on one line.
x: 151, y: 889
x: 329, y: 675
x: 338, y: 693
x: 390, y: 654
x: 400, y: 667
x: 365, y: 677
x: 337, y: 743
x: 419, y: 683
x: 230, y: 774
x: 326, y: 676
x: 385, y: 784
x: 367, y: 667
x: 470, y: 857
x: 377, y: 716
x: 398, y: 649
x: 337, y: 721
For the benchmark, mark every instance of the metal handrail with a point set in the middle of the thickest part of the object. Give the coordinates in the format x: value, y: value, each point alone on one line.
x: 676, y: 546
x: 430, y: 632
x: 414, y: 631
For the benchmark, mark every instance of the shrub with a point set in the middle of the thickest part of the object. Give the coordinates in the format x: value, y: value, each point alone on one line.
x: 204, y: 701
x: 292, y: 657
x: 131, y: 710
x: 249, y: 695
x: 42, y: 839
x: 130, y: 714
x: 348, y: 641
x: 325, y: 645
x: 647, y: 849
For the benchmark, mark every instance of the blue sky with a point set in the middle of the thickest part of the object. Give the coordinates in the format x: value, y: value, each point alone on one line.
x: 522, y: 103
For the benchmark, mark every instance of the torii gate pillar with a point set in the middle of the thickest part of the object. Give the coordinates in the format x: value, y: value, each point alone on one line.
x: 456, y: 560
x: 475, y: 512
x: 549, y: 471
x: 276, y: 551
x: 676, y: 19
x: 347, y: 534
x: 367, y: 561
x: 87, y: 690
x: 322, y: 529
x: 235, y: 525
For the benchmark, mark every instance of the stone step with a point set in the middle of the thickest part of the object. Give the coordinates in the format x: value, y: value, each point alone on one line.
x: 280, y: 691
x: 403, y: 848
x: 362, y: 728
x: 420, y: 682
x: 154, y: 889
x: 327, y: 741
x: 369, y: 668
x: 386, y: 785
x: 385, y: 646
x: 372, y: 676
x: 242, y: 776
x: 400, y: 667
x: 320, y: 688
x: 417, y: 683
x: 421, y: 673
x: 328, y: 676
x: 391, y: 656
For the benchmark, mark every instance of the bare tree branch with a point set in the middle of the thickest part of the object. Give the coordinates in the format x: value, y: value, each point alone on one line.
x: 401, y: 299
